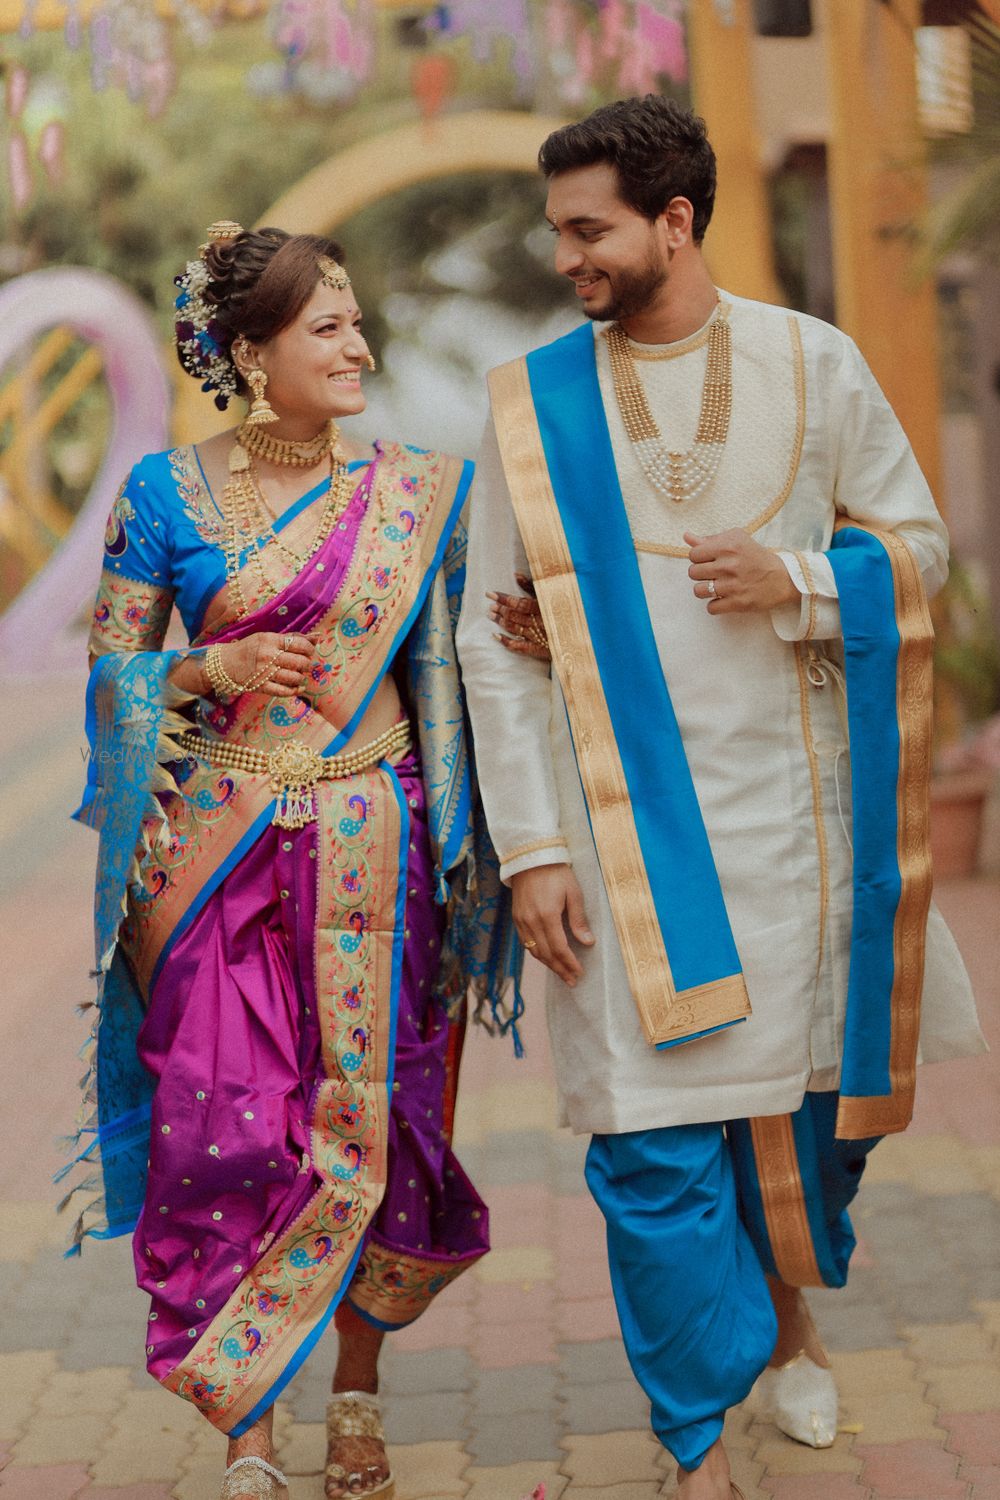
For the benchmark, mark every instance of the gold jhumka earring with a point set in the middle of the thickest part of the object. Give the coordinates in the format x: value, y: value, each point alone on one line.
x: 370, y: 362
x: 261, y: 411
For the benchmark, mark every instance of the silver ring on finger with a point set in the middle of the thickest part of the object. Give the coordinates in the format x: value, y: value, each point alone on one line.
x: 288, y: 643
x: 713, y: 592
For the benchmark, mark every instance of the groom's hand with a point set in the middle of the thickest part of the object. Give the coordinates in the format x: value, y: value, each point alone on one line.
x: 547, y: 900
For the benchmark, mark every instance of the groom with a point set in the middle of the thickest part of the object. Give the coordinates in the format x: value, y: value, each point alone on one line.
x: 729, y: 537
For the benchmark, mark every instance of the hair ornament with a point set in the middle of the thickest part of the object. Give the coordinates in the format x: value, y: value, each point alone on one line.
x: 333, y: 275
x: 222, y: 229
x: 200, y: 339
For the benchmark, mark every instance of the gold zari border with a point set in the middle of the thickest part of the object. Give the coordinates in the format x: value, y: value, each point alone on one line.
x: 860, y: 1117
x: 784, y: 1200
x: 665, y: 1014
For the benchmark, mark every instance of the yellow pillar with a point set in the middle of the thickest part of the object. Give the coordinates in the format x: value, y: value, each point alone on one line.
x: 878, y: 191
x: 738, y: 245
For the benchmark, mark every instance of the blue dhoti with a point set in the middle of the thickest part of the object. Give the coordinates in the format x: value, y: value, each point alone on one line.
x: 695, y: 1215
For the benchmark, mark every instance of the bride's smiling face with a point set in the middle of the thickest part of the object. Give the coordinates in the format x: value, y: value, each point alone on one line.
x: 314, y: 366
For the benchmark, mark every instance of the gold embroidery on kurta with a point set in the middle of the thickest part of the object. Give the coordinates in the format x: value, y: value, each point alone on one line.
x: 817, y: 799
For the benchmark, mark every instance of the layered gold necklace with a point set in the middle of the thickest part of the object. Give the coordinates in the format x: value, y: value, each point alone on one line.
x: 248, y: 517
x: 679, y: 476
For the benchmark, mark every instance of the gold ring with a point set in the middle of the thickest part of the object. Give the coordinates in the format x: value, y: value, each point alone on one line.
x: 529, y: 943
x: 288, y: 642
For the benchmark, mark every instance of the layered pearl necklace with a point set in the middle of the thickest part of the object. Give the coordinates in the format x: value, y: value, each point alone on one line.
x: 248, y: 517
x: 679, y: 476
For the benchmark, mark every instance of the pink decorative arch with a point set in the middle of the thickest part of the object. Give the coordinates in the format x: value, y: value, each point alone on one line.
x: 33, y: 630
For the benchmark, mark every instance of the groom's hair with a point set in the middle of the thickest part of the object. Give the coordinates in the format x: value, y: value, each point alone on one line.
x: 659, y: 151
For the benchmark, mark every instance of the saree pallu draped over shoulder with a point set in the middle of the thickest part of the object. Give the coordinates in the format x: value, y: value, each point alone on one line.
x: 320, y: 957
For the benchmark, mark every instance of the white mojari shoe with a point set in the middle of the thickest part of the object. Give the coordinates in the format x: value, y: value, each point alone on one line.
x: 800, y: 1398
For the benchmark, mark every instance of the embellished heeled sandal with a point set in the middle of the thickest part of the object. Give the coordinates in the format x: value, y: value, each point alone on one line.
x: 352, y: 1414
x: 252, y: 1476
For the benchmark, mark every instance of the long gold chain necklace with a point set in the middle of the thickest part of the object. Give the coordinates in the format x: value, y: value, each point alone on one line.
x: 248, y: 520
x: 679, y: 476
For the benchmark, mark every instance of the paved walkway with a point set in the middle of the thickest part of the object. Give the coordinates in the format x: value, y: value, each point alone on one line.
x: 517, y: 1375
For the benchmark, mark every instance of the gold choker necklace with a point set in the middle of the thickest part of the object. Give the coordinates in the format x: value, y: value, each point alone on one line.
x: 679, y: 476
x: 295, y: 455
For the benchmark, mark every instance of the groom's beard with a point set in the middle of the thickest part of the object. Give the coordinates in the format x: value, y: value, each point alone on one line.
x: 630, y: 293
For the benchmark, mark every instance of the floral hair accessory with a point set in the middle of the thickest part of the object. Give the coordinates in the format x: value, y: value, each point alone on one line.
x: 201, y: 342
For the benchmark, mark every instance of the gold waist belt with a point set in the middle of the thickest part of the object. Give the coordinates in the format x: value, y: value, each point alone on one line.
x: 295, y: 769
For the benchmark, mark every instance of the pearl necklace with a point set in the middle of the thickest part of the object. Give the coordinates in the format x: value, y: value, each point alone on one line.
x: 679, y: 476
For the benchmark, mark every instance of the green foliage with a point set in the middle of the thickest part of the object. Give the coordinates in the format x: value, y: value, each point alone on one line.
x: 967, y: 655
x: 968, y: 218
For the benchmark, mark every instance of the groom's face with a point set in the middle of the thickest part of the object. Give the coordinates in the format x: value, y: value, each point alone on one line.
x: 616, y: 258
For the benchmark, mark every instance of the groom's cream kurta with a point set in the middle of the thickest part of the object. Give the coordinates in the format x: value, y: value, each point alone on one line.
x: 761, y: 711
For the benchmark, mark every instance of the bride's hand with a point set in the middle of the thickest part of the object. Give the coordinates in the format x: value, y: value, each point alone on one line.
x: 275, y: 664
x: 521, y: 618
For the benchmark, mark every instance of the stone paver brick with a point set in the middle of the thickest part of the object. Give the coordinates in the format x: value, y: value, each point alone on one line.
x: 873, y: 1371
x: 911, y: 1469
x: 971, y: 1387
x: 587, y: 1321
x: 99, y: 1392
x: 985, y: 1481
x: 524, y: 1301
x: 427, y: 1418
x: 27, y: 1228
x: 988, y: 1312
x: 523, y: 1435
x: 128, y: 1492
x: 781, y: 1455
x: 951, y: 1344
x: 50, y: 1482
x: 605, y: 1360
x: 748, y: 1473
x: 510, y: 1481
x: 974, y: 1435
x: 430, y: 1471
x: 22, y: 1380
x: 823, y: 1487
x: 526, y: 1263
x: 135, y: 1453
x: 891, y: 1417
x: 520, y: 1388
x: 521, y: 1215
x: 611, y: 1458
x: 500, y: 1346
x: 302, y: 1449
x: 634, y: 1490
x: 440, y: 1369
x: 440, y: 1325
x: 612, y: 1403
x: 60, y: 1440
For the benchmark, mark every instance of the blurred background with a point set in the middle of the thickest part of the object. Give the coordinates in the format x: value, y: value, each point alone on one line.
x: 859, y: 164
